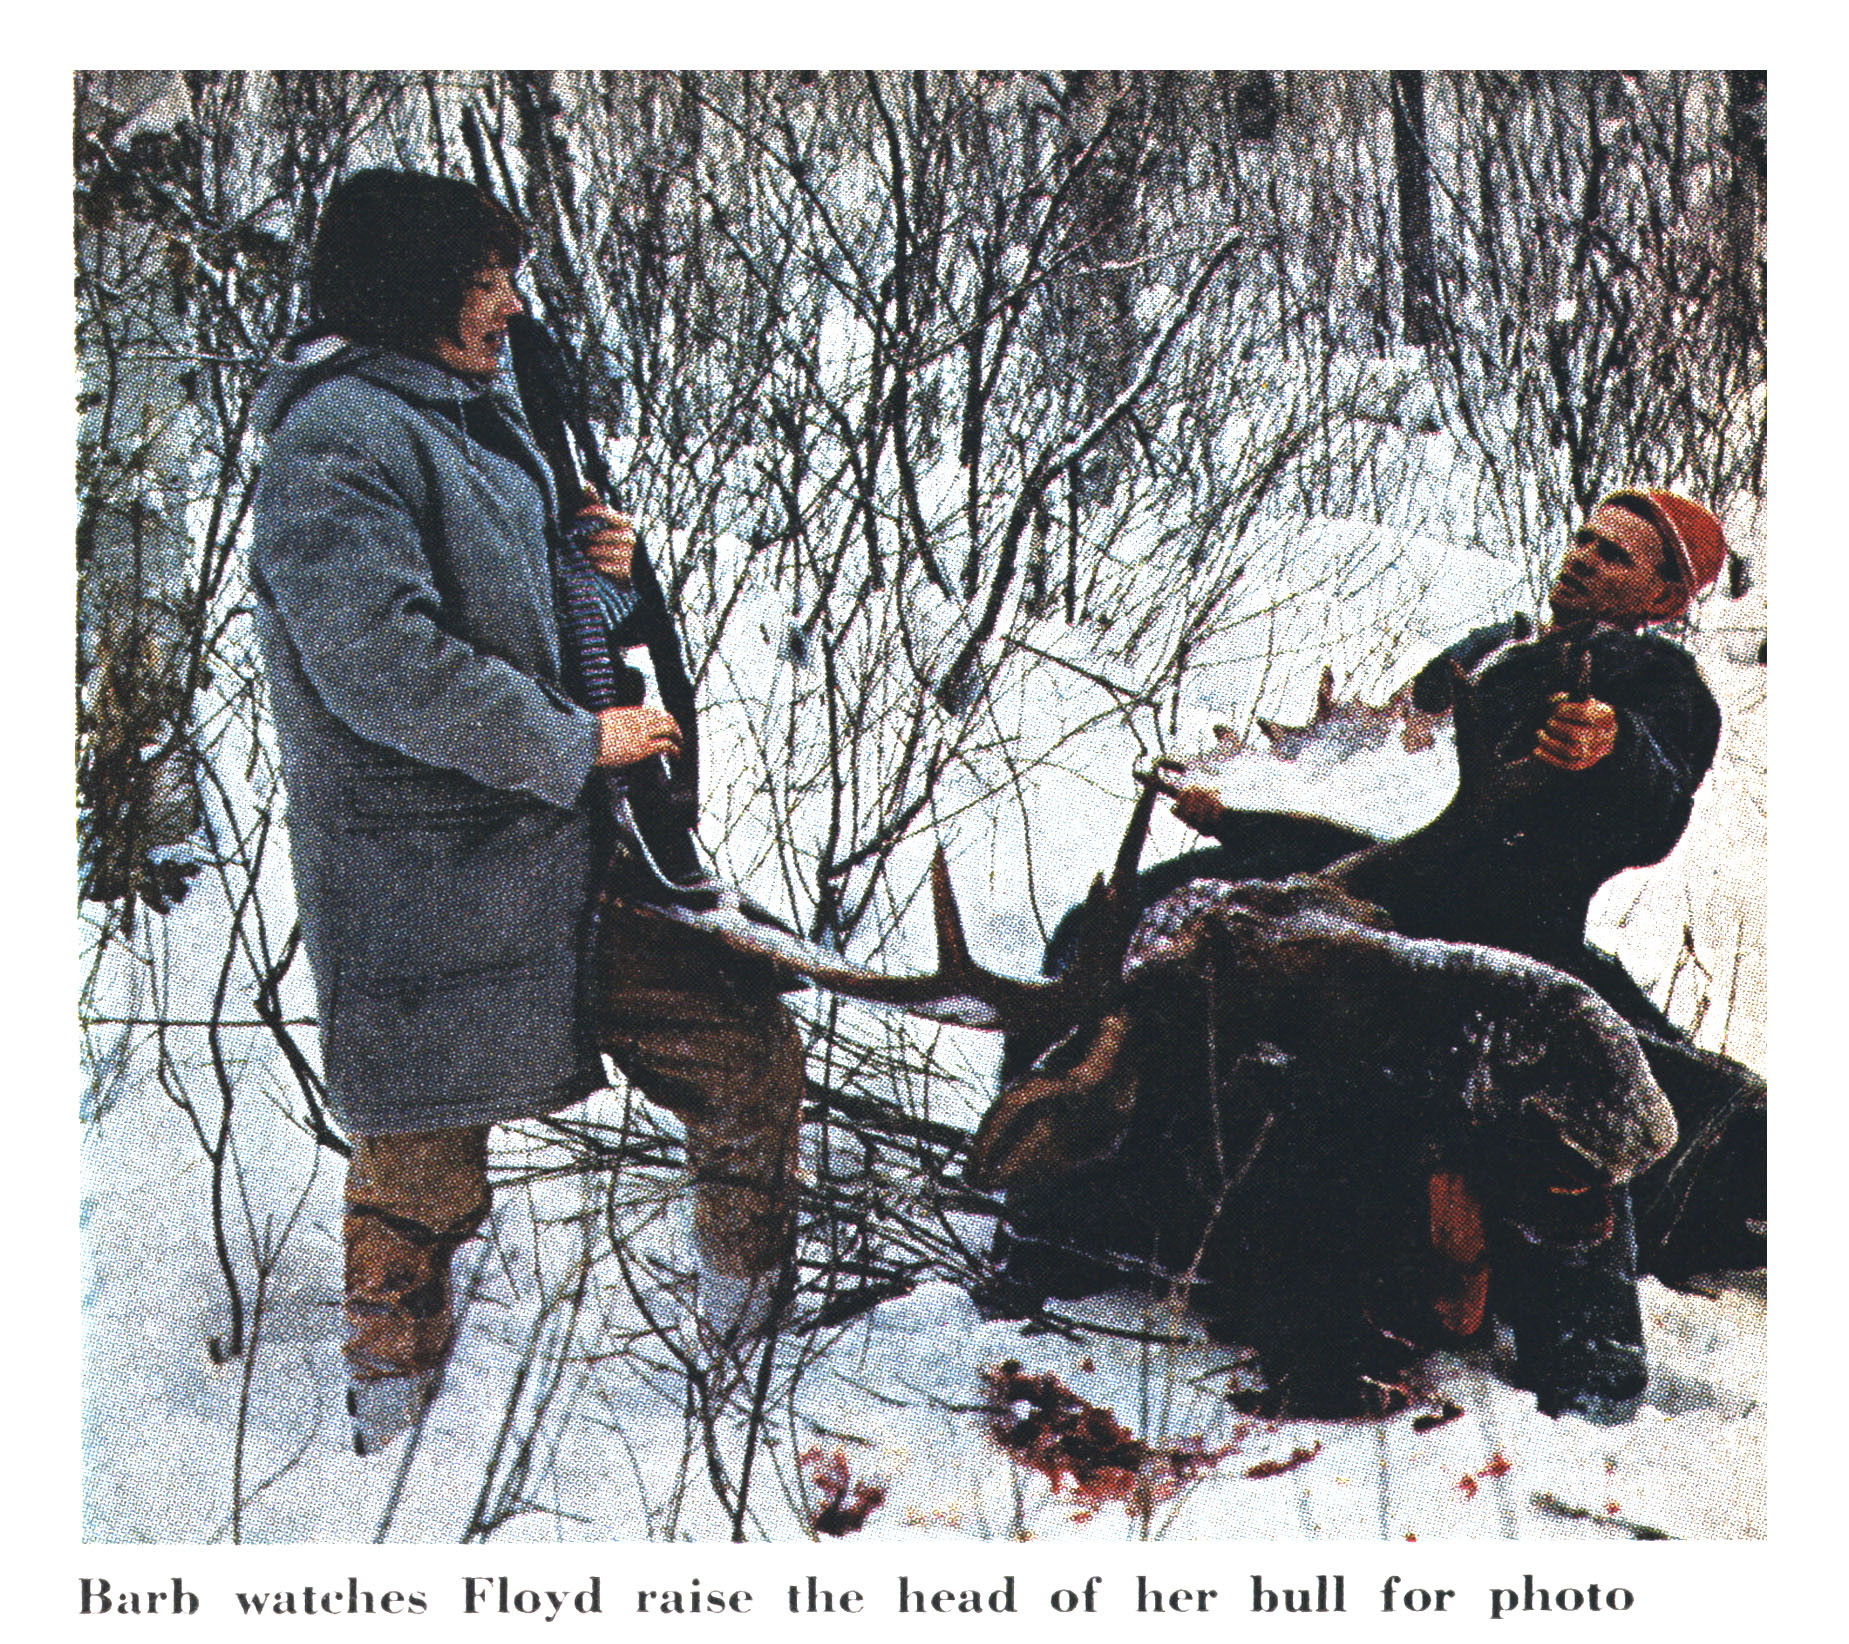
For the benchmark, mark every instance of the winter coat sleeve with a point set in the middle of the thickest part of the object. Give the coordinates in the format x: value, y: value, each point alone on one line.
x: 1431, y: 685
x: 1629, y: 809
x: 343, y: 560
x: 1669, y: 727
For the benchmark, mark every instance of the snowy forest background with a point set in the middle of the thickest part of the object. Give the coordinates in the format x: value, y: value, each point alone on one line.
x: 992, y: 432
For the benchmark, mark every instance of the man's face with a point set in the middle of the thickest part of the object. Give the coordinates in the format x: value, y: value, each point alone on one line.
x: 489, y: 301
x: 1615, y: 572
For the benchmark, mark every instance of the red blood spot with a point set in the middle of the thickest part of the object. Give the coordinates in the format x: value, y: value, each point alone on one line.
x: 1271, y: 1469
x: 1410, y: 1536
x: 1044, y: 1425
x: 1495, y: 1467
x: 1468, y: 1485
x: 845, y: 1502
x: 1611, y: 1507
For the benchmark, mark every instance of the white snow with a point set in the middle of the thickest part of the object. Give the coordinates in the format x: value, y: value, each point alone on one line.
x: 614, y: 1452
x: 893, y: 1393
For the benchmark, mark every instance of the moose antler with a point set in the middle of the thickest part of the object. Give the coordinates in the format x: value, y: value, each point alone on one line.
x: 959, y: 990
x: 1346, y: 725
x: 1074, y: 1105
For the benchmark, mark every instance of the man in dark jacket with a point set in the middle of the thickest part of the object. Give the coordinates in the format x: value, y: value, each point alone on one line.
x: 1637, y: 746
x: 1636, y: 743
x: 441, y: 825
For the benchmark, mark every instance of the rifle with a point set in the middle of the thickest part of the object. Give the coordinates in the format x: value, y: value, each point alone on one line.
x: 653, y: 806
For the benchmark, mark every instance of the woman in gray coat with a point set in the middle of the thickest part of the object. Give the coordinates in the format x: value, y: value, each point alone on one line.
x: 436, y: 773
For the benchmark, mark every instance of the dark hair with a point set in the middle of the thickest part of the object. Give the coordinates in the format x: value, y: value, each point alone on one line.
x: 395, y: 251
x: 1670, y: 570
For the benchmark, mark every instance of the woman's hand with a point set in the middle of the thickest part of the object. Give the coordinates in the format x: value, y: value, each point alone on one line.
x: 612, y: 546
x: 627, y: 736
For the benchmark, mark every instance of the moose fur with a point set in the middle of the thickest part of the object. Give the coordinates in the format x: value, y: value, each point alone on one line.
x: 1287, y: 1078
x: 1286, y: 1088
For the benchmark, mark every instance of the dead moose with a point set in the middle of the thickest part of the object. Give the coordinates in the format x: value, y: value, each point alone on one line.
x: 1332, y: 1134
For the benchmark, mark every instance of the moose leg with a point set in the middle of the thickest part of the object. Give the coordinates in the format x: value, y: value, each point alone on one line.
x: 705, y: 1034
x: 1579, y: 1333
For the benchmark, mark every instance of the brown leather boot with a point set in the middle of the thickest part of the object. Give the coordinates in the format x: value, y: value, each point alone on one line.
x: 399, y: 1314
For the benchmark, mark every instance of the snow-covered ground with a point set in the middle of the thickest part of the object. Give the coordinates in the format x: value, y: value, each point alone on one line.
x: 607, y: 1444
x: 1694, y: 925
x: 618, y: 1456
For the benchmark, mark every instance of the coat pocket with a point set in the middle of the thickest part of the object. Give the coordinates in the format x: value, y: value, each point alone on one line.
x: 415, y: 1044
x: 391, y: 799
x: 444, y: 885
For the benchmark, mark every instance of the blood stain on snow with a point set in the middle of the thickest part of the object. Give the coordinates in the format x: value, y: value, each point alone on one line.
x: 1495, y: 1467
x: 846, y: 1502
x: 1297, y: 1457
x: 1044, y: 1425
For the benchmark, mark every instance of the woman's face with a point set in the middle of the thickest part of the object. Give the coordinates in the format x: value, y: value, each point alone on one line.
x: 489, y: 301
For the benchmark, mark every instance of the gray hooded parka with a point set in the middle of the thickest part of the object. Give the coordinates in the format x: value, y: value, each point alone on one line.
x: 435, y: 769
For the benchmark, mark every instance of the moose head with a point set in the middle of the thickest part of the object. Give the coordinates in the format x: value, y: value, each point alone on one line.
x: 1306, y: 965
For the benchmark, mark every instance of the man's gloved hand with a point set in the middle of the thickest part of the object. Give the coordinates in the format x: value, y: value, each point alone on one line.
x: 1577, y: 735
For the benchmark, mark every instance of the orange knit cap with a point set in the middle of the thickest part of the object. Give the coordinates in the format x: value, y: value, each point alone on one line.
x: 1691, y: 533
